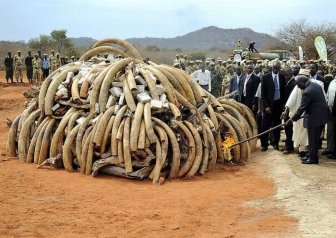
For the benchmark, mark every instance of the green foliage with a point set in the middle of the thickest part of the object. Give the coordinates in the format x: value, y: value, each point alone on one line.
x: 152, y: 48
x: 60, y: 40
x: 57, y: 40
x: 197, y: 55
x: 43, y: 43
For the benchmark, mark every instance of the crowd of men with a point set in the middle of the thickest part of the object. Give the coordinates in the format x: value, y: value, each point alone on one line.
x: 37, y: 67
x: 278, y: 92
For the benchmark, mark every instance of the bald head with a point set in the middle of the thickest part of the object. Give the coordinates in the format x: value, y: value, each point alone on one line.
x: 302, y: 81
x: 276, y: 67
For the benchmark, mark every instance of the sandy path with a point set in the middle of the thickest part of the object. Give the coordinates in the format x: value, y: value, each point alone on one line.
x: 232, y: 201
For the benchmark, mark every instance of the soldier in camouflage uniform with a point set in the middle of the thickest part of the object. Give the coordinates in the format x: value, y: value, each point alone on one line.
x: 18, y: 66
x: 220, y: 67
x: 52, y: 60
x: 216, y: 80
x: 176, y: 60
x: 226, y: 80
x: 57, y: 61
x: 37, y: 65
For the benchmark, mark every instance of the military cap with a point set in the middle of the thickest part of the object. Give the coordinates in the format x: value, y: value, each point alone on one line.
x: 198, y: 61
x: 259, y: 61
x: 19, y: 51
x: 29, y: 51
x: 66, y: 57
x: 191, y: 62
x: 72, y: 57
x: 224, y: 62
x: 45, y: 55
x: 176, y: 64
x: 57, y: 53
x: 52, y: 51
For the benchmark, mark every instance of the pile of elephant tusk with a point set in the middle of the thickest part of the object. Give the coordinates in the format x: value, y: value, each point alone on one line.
x: 129, y: 118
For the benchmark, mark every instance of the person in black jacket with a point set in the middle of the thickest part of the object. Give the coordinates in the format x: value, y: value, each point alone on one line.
x: 290, y: 84
x: 317, y: 114
x: 249, y: 86
x: 29, y: 66
x: 272, y: 96
x: 313, y: 73
x: 9, y: 67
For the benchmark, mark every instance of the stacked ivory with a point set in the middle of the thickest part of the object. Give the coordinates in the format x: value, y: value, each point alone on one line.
x: 129, y: 118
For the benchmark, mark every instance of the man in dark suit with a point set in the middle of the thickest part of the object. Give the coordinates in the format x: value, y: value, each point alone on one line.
x: 317, y: 114
x: 272, y: 96
x: 249, y: 86
x: 313, y: 73
x: 235, y: 83
x: 290, y: 84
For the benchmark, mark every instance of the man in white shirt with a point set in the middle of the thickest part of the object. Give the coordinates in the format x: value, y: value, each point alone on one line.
x: 203, y: 77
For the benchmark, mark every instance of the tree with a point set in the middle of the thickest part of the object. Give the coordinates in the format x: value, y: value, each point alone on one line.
x: 198, y: 55
x: 60, y: 40
x: 300, y: 33
x: 43, y: 43
x: 57, y: 41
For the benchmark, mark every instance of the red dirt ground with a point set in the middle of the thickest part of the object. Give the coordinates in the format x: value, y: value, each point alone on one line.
x: 232, y: 201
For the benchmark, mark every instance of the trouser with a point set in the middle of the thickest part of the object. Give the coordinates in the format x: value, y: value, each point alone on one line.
x: 206, y: 87
x: 45, y: 73
x: 36, y: 75
x: 9, y: 73
x: 271, y: 120
x: 29, y: 70
x: 18, y: 74
x: 289, y: 145
x: 259, y: 122
x: 330, y: 135
x: 314, y: 134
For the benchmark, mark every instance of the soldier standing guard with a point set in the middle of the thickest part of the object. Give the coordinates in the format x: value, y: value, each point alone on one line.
x: 37, y: 65
x: 29, y: 67
x: 52, y: 61
x: 58, y: 61
x: 9, y: 67
x: 216, y: 80
x: 18, y: 64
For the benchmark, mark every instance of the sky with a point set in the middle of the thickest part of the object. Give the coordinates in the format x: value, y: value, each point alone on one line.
x: 99, y: 19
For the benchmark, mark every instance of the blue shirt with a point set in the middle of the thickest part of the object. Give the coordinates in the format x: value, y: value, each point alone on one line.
x: 45, y: 63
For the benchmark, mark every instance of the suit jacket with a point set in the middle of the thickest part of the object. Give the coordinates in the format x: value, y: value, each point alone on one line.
x: 322, y: 79
x: 268, y: 90
x: 251, y: 89
x: 289, y: 88
x: 314, y: 104
x: 234, y: 86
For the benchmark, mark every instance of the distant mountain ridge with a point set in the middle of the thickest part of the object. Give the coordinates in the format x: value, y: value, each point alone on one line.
x: 207, y: 38
x: 83, y: 42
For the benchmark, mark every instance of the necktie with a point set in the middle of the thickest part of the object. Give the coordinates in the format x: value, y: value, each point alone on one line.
x: 276, y: 88
x: 246, y: 80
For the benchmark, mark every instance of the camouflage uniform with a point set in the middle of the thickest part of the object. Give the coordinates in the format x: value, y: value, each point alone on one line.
x: 216, y: 82
x: 57, y: 61
x: 53, y: 62
x: 18, y: 67
x: 37, y: 65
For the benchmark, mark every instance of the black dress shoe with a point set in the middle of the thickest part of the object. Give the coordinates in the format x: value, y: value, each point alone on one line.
x: 264, y: 149
x: 276, y: 147
x: 326, y: 152
x: 331, y: 156
x: 309, y: 161
x: 304, y: 158
x: 302, y: 154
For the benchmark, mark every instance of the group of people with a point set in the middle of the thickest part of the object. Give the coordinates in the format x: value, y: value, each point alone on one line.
x: 294, y: 93
x: 37, y: 67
